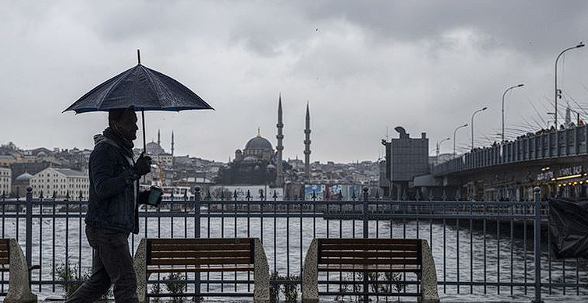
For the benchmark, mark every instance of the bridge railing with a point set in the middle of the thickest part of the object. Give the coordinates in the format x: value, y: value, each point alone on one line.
x: 541, y: 145
x: 480, y: 247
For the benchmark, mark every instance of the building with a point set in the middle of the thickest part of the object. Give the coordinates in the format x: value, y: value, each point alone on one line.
x: 252, y: 166
x: 406, y: 158
x: 259, y: 164
x: 20, y: 184
x: 62, y: 182
x: 5, y: 181
x: 159, y: 156
x: 7, y: 160
x: 32, y: 168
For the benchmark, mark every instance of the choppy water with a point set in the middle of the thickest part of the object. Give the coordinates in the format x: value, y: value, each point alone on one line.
x: 460, y: 253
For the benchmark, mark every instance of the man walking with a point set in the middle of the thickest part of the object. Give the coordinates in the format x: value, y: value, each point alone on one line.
x: 113, y: 209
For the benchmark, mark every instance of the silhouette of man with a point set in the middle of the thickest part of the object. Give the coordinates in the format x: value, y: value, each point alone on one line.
x: 113, y: 209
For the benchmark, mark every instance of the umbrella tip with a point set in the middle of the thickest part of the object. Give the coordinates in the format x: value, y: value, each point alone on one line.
x: 138, y: 56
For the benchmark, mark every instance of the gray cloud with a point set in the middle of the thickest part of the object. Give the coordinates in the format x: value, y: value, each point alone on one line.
x: 362, y: 65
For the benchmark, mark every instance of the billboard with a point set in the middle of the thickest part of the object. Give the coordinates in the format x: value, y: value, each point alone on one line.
x: 331, y: 191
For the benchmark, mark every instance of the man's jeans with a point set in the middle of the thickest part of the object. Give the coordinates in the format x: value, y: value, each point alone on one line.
x: 112, y: 265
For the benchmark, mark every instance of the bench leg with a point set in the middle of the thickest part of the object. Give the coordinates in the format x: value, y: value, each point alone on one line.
x: 141, y: 271
x: 18, y: 286
x: 310, y: 274
x: 261, y: 277
x: 429, y: 275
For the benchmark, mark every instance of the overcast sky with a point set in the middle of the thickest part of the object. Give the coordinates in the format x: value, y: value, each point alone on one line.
x: 363, y: 66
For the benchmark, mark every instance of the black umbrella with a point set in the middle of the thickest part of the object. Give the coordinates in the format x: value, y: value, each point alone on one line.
x: 142, y: 88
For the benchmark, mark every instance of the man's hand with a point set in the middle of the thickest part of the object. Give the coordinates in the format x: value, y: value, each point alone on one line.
x: 143, y: 164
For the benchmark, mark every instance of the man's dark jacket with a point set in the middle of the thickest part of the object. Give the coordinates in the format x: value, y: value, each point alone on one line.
x: 114, y: 197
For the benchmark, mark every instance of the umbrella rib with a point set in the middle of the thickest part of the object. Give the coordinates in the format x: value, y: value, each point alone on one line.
x: 113, y: 85
x: 154, y: 87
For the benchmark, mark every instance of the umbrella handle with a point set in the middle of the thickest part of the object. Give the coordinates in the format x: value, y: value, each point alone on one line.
x: 144, y: 144
x: 143, y: 121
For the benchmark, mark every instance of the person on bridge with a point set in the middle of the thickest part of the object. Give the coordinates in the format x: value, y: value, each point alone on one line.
x: 113, y: 209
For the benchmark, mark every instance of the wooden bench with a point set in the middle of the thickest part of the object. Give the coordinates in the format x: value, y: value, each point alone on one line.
x: 13, y: 261
x: 370, y: 256
x: 202, y: 255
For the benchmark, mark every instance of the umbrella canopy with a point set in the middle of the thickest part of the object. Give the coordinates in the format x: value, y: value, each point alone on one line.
x: 143, y: 88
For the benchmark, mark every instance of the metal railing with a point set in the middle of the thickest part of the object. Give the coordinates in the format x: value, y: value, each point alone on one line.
x: 481, y: 247
x: 546, y: 144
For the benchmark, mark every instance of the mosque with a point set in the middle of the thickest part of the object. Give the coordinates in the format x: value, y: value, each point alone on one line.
x: 258, y: 163
x: 158, y: 154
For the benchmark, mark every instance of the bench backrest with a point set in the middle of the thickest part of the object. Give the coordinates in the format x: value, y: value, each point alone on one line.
x: 370, y: 251
x: 208, y: 251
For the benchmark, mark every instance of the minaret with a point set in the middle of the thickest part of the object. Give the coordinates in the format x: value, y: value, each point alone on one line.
x: 307, y: 146
x: 280, y: 147
x: 158, y: 138
x: 172, y: 144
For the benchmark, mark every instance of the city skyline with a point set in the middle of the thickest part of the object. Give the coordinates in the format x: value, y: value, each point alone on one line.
x: 362, y: 67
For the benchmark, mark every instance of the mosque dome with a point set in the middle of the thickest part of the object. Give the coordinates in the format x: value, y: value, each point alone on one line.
x: 259, y: 142
x: 24, y: 177
x: 154, y: 149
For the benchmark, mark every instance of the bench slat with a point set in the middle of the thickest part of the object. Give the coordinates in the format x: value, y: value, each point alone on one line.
x: 194, y: 246
x: 361, y: 254
x: 199, y: 269
x: 199, y: 254
x: 369, y: 268
x: 199, y: 261
x: 369, y: 261
x: 176, y: 241
x: 367, y: 247
x: 375, y: 241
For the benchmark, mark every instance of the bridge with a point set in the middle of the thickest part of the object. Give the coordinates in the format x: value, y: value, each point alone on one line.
x: 542, y: 148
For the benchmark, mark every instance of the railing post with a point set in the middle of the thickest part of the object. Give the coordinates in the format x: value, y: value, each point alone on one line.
x: 537, y: 239
x: 197, y: 212
x: 29, y: 228
x: 365, y: 212
x: 197, y: 232
x: 365, y: 235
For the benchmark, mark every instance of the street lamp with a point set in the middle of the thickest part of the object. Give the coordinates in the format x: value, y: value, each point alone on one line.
x: 472, y: 123
x: 438, y: 145
x: 465, y: 125
x: 557, y: 94
x: 504, y: 94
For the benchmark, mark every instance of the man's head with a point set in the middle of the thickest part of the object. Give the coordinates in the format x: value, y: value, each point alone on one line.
x: 124, y: 121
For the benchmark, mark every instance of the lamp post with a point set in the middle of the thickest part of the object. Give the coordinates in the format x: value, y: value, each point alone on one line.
x: 557, y: 94
x: 504, y: 94
x: 472, y: 123
x: 455, y: 131
x: 438, y: 145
